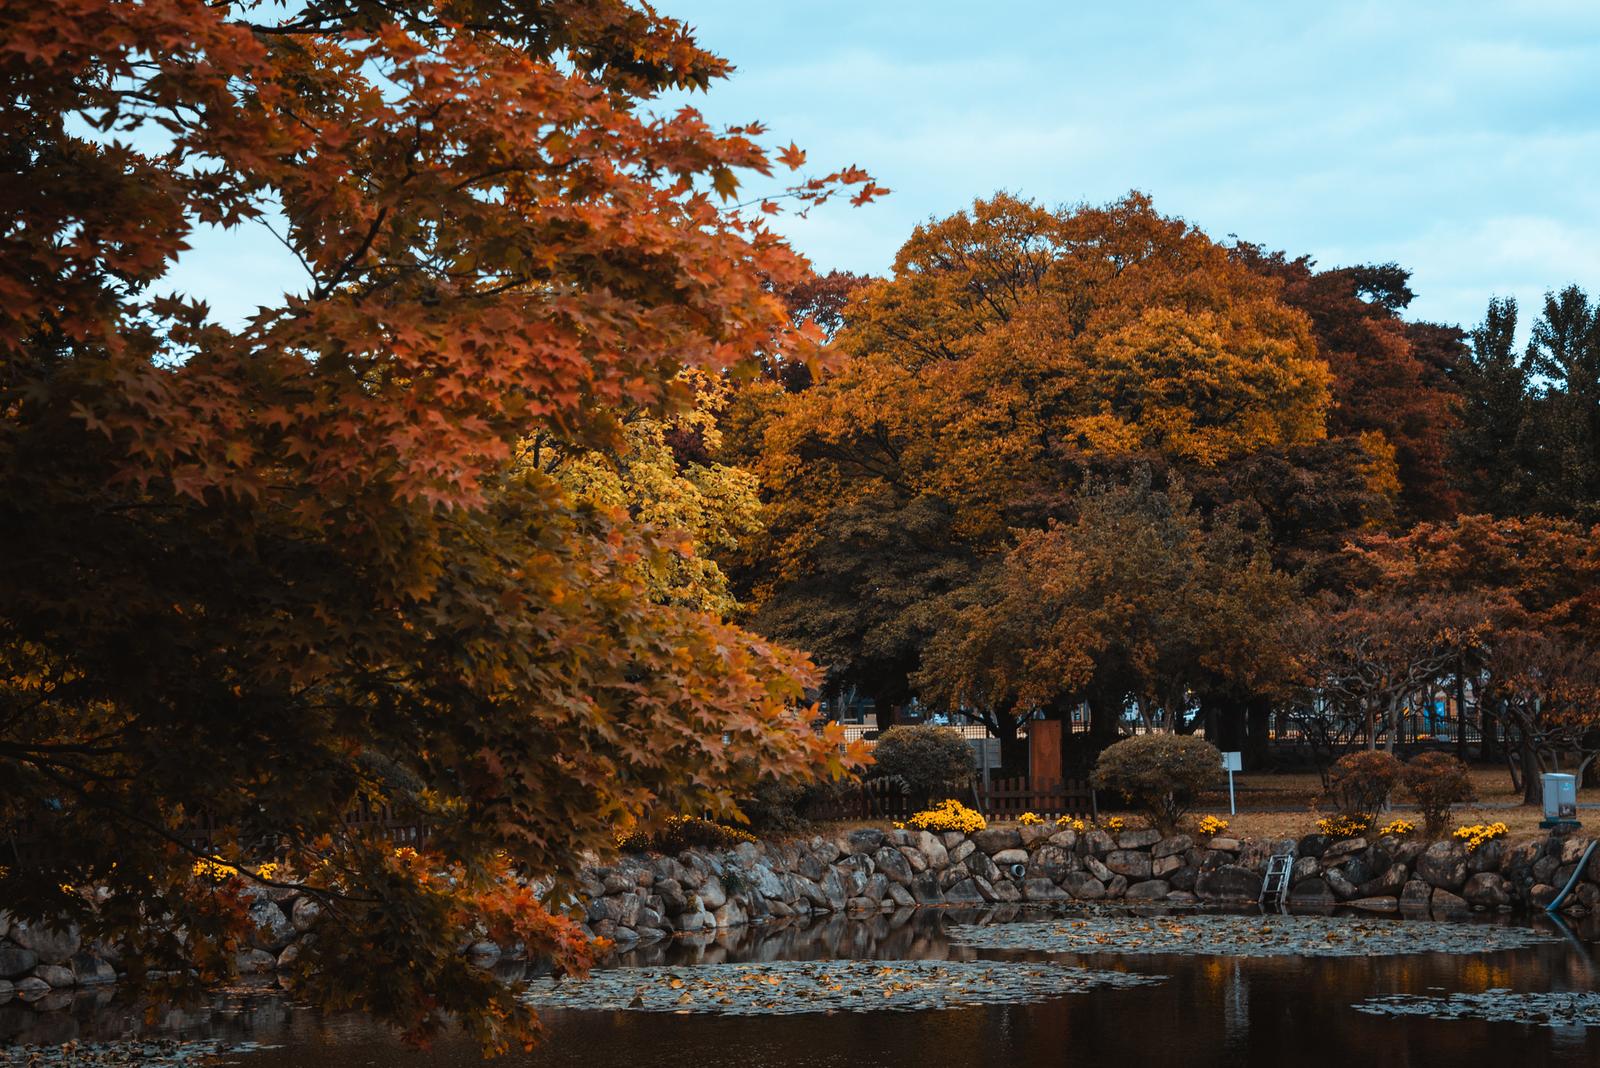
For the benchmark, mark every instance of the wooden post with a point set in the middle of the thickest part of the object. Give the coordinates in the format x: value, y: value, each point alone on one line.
x: 1044, y: 753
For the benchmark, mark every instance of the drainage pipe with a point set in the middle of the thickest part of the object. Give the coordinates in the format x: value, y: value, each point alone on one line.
x: 1583, y: 865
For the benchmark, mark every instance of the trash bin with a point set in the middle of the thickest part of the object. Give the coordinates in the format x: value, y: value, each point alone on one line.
x: 1560, y: 798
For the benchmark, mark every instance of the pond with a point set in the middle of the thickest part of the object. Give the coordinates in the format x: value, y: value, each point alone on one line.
x: 1260, y: 1006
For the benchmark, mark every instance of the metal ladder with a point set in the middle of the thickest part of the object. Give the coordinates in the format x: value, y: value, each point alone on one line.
x: 1275, y: 885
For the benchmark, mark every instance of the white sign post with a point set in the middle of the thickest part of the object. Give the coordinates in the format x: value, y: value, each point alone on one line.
x: 1232, y: 763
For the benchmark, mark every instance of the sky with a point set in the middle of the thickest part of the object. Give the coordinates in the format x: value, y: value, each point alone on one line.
x: 1461, y: 139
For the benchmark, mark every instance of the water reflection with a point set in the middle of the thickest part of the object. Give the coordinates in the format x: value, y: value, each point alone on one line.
x: 1210, y: 1011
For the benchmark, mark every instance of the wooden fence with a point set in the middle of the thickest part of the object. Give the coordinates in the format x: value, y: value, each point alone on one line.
x: 1000, y: 799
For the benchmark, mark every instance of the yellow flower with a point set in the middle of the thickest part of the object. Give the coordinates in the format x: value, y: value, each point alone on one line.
x: 949, y: 815
x: 1030, y: 819
x: 1212, y: 826
x: 1342, y: 826
x: 1114, y: 824
x: 1398, y: 828
x: 1071, y: 823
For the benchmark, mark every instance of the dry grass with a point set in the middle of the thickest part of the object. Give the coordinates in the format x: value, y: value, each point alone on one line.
x: 1288, y: 805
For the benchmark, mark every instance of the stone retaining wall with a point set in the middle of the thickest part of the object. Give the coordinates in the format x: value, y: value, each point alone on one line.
x: 651, y: 897
x: 647, y: 898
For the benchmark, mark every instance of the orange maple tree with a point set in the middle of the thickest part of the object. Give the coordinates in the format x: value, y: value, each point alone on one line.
x: 270, y: 573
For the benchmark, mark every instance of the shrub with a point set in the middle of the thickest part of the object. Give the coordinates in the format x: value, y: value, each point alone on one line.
x: 683, y: 832
x: 1159, y: 772
x: 949, y: 815
x: 924, y: 757
x: 1359, y: 785
x: 1436, y: 781
x: 775, y: 806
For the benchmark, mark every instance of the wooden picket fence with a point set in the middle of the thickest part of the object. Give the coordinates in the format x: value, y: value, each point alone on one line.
x: 1006, y: 799
x: 1000, y: 799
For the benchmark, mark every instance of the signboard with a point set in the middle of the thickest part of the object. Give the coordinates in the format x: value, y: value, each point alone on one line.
x: 1231, y: 762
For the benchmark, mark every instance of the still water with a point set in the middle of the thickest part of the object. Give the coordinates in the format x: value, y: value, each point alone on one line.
x: 1282, y: 1011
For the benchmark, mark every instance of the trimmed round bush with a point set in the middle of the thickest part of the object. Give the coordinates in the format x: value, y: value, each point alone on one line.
x: 1436, y: 782
x: 1160, y: 773
x: 925, y: 757
x: 1359, y: 785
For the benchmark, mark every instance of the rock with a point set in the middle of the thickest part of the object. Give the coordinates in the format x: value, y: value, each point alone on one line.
x: 1376, y: 904
x: 1541, y: 894
x: 1206, y: 859
x: 893, y: 865
x: 930, y: 847
x: 914, y: 858
x: 1098, y: 842
x: 1035, y: 834
x: 700, y: 920
x: 1135, y: 864
x: 51, y: 945
x: 1004, y: 891
x: 1083, y: 886
x: 1343, y: 848
x: 713, y: 894
x: 1488, y: 889
x: 32, y: 988
x: 877, y: 887
x: 1184, y: 878
x: 994, y: 839
x: 833, y: 890
x: 1443, y: 865
x: 1313, y: 845
x: 254, y: 961
x: 1444, y: 903
x: 1388, y: 884
x: 1051, y: 862
x: 1171, y: 847
x: 1140, y: 839
x: 16, y: 961
x: 967, y: 891
x: 1226, y: 845
x: 1007, y: 857
x: 90, y: 970
x: 730, y: 914
x: 273, y: 930
x: 57, y: 975
x: 1149, y: 890
x: 1544, y: 869
x: 983, y: 866
x: 1066, y: 838
x: 1117, y: 886
x: 901, y: 896
x: 865, y: 840
x: 1304, y: 868
x: 1341, y: 884
x: 1165, y: 866
x: 1098, y: 869
x: 1572, y: 849
x: 1416, y: 895
x: 1043, y: 890
x: 1182, y: 897
x: 672, y: 895
x: 961, y: 851
x: 1228, y: 883
x: 1312, y: 891
x: 305, y: 913
x: 925, y: 889
x: 1488, y: 856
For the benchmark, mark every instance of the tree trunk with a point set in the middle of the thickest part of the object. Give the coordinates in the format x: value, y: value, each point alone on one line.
x: 1532, y: 786
x: 1461, y: 717
x: 1258, y: 722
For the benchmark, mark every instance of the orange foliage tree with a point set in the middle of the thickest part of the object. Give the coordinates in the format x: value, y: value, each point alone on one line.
x: 267, y: 574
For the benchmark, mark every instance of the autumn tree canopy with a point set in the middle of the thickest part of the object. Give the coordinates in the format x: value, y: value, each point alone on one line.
x: 266, y: 575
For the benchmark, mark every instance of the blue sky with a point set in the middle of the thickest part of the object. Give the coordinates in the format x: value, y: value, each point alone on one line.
x: 1459, y: 139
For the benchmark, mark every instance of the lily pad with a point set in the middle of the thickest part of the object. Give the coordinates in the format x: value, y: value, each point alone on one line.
x: 788, y: 987
x: 1246, y: 936
x: 1556, y: 1008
